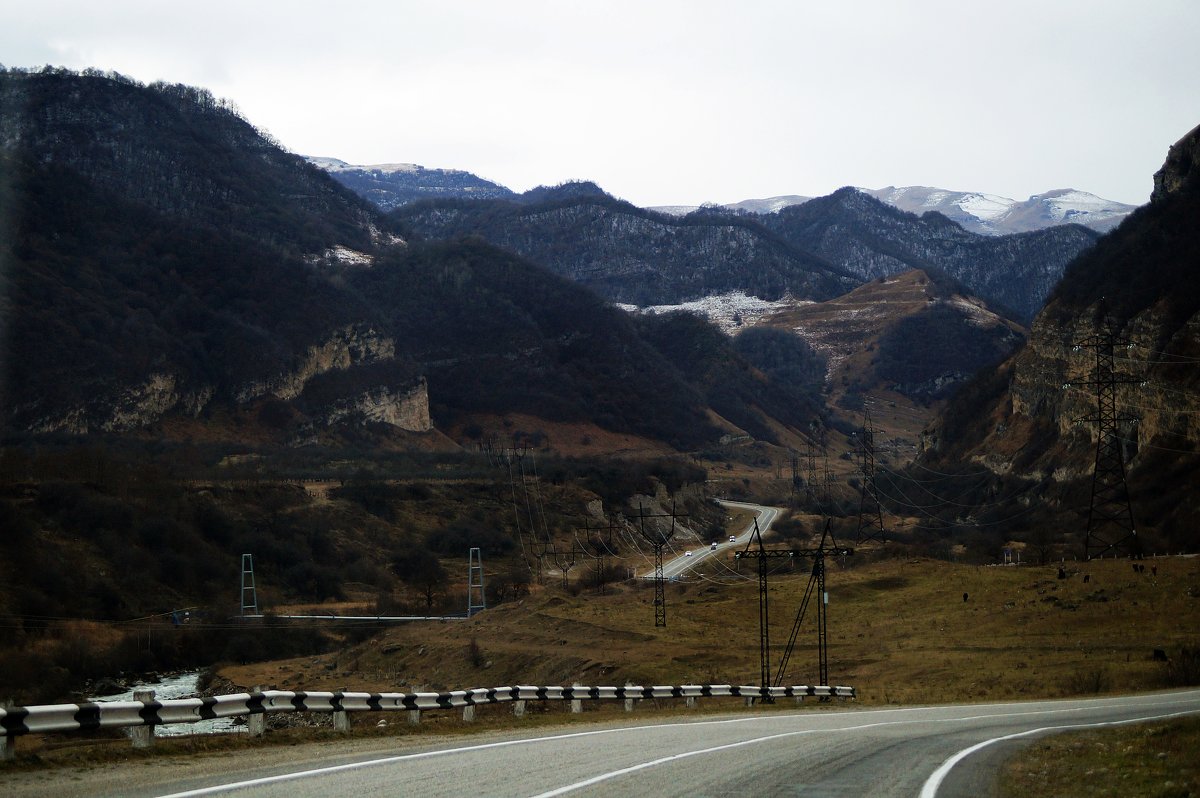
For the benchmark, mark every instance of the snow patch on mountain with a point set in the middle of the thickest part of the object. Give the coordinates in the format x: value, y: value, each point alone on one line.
x: 336, y: 165
x: 730, y: 312
x: 991, y: 214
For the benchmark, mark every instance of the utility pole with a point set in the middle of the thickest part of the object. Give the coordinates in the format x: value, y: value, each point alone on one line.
x: 658, y: 540
x: 1110, y: 526
x: 870, y: 513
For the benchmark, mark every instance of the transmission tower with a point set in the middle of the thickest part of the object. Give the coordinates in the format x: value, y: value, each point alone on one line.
x: 870, y: 513
x: 762, y: 554
x: 816, y: 581
x: 249, y: 594
x: 565, y: 563
x: 797, y: 481
x: 658, y: 539
x: 476, y: 597
x: 597, y: 544
x: 1110, y: 525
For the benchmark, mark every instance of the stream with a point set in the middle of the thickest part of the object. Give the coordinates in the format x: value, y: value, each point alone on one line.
x: 179, y: 685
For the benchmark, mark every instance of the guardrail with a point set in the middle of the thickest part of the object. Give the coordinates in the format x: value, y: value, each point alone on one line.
x: 16, y: 721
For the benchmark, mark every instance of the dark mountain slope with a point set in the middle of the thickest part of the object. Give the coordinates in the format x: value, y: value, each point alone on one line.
x: 872, y: 239
x: 389, y: 186
x: 1141, y: 283
x: 731, y: 386
x: 496, y: 334
x: 631, y: 255
x: 178, y: 151
x: 168, y: 296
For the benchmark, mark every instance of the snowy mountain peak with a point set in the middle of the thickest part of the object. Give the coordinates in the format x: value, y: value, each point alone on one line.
x: 991, y: 214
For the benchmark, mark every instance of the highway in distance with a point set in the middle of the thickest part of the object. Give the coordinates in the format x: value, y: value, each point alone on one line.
x: 822, y: 750
x: 677, y: 566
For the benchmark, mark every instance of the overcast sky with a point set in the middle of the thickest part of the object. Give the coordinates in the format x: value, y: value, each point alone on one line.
x: 677, y: 102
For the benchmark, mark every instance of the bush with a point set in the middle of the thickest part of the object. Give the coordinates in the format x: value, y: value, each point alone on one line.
x: 1183, y: 670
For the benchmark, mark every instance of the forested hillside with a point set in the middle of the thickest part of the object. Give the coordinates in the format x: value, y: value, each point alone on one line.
x: 871, y: 239
x: 632, y: 255
x: 169, y: 264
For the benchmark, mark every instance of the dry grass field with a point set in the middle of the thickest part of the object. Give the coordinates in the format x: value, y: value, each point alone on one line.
x: 900, y: 632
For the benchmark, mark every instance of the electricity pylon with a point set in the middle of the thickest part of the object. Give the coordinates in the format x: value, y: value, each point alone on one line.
x: 1110, y: 526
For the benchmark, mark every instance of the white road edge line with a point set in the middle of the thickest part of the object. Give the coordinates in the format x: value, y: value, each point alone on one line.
x: 300, y: 774
x: 935, y: 779
x: 239, y: 785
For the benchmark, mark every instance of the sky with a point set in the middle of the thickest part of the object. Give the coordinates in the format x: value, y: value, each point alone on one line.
x: 676, y: 102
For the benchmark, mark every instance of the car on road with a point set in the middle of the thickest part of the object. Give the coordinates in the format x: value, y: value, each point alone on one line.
x: 713, y: 547
x: 733, y: 538
x: 687, y: 554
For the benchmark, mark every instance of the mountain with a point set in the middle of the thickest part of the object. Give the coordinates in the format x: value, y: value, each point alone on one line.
x: 170, y: 271
x: 1031, y: 423
x: 985, y: 214
x: 768, y: 205
x: 914, y: 334
x: 871, y: 239
x: 391, y: 185
x: 989, y: 214
x: 815, y: 250
x: 632, y: 255
x: 163, y: 254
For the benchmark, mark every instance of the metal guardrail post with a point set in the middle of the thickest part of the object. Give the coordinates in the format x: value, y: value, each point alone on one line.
x: 256, y: 722
x: 143, y: 736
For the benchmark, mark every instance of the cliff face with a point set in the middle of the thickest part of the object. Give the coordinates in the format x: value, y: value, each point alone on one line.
x: 1182, y: 165
x: 1033, y: 421
x: 350, y: 346
x: 404, y: 403
x: 405, y: 409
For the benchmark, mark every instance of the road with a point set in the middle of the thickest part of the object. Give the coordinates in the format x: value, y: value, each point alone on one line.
x: 676, y: 566
x: 826, y: 750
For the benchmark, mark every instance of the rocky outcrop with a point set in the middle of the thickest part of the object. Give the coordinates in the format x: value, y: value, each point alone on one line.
x: 347, y: 347
x: 406, y: 409
x: 1035, y: 419
x: 1182, y: 165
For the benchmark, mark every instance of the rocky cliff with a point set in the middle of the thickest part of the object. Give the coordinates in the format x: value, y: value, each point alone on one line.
x: 1033, y: 421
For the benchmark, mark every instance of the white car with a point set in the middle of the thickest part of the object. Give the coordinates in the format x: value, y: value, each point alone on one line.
x: 687, y: 554
x: 733, y: 538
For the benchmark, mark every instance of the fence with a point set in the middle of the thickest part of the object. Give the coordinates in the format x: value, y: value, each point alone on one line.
x: 16, y: 721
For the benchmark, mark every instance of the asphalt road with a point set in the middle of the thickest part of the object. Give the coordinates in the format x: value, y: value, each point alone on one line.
x: 929, y: 752
x: 676, y: 566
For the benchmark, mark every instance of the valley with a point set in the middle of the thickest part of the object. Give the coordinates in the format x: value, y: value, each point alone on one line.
x: 219, y: 354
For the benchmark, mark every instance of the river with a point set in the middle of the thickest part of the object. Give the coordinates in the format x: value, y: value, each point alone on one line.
x: 179, y: 685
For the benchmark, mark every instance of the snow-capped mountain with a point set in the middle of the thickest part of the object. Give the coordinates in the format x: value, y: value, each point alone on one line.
x: 990, y: 214
x: 986, y: 214
x: 390, y: 185
x: 767, y: 205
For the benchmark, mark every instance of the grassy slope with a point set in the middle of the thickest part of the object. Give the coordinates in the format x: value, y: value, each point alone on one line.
x: 899, y: 632
x: 1154, y: 759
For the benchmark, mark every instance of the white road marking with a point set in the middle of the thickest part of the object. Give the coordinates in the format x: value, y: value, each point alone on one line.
x: 935, y: 779
x: 301, y: 774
